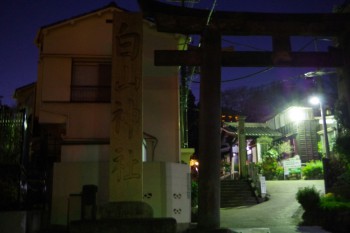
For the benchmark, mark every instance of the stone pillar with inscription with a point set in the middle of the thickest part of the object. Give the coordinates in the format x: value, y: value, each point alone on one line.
x: 125, y: 181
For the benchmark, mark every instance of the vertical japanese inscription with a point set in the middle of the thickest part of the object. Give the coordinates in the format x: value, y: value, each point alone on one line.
x: 126, y: 108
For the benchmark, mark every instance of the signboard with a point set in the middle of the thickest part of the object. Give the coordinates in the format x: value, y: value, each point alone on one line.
x: 292, y: 166
x: 262, y: 185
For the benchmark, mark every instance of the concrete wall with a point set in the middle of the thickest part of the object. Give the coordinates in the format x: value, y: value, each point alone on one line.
x: 84, y: 153
x: 167, y: 189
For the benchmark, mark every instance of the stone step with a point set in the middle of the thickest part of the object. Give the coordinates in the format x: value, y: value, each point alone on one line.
x: 236, y: 193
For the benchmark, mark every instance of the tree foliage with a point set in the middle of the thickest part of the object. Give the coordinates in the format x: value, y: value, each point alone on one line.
x: 261, y: 102
x: 284, y: 147
x: 11, y: 124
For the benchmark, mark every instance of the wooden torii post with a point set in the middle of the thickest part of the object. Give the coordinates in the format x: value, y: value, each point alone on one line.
x: 210, y: 58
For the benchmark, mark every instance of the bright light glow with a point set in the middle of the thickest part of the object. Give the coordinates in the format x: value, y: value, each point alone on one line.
x: 309, y: 74
x: 194, y: 162
x: 317, y: 73
x: 25, y: 125
x: 296, y: 114
x: 314, y: 100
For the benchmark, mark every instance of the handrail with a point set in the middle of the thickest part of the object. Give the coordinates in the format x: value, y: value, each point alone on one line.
x: 255, y: 177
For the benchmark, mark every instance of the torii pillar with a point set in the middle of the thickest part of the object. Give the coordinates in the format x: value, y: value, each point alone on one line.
x: 209, y: 130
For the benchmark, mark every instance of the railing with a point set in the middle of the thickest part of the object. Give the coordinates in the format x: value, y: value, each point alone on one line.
x: 257, y: 180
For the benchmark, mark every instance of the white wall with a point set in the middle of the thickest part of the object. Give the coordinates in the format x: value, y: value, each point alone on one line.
x: 84, y: 153
x: 161, y: 96
x: 167, y: 189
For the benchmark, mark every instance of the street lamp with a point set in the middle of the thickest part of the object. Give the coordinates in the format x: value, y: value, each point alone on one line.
x: 316, y: 100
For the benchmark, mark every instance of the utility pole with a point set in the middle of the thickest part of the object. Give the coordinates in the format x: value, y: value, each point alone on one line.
x: 184, y: 107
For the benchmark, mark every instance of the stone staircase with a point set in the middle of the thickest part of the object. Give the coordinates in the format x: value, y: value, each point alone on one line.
x: 237, y: 193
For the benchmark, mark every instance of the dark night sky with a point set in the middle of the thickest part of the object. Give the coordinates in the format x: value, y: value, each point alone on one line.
x: 20, y: 20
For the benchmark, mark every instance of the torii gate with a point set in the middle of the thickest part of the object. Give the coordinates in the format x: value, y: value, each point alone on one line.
x: 210, y: 58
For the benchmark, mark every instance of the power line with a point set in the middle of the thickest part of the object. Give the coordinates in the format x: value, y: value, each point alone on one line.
x: 211, y: 12
x: 248, y: 75
x: 267, y: 68
x: 193, y: 71
x: 243, y: 45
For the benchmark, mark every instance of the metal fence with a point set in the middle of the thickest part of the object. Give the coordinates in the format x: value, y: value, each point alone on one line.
x: 11, y: 144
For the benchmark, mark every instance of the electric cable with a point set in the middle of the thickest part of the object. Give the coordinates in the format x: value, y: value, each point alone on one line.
x: 243, y: 45
x: 267, y: 68
x: 193, y: 71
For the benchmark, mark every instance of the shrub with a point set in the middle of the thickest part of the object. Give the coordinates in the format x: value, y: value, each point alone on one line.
x: 279, y: 172
x: 342, y: 146
x: 194, y: 194
x: 271, y: 169
x: 344, y: 178
x: 194, y: 201
x: 309, y: 198
x: 8, y: 194
x: 333, y: 203
x: 313, y: 170
x: 341, y: 191
x: 338, y: 172
x: 335, y: 213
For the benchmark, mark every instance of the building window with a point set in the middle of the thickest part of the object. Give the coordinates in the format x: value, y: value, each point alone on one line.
x: 91, y: 81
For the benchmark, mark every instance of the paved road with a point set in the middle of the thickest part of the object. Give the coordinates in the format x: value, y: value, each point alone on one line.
x: 281, y: 214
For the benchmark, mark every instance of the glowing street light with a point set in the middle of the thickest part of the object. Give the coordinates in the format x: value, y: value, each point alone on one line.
x: 316, y: 100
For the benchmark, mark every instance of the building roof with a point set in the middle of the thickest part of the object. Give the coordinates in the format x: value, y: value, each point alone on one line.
x: 261, y: 131
x: 110, y: 7
x: 253, y: 129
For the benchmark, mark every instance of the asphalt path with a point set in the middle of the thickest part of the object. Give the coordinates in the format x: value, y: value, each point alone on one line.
x: 280, y: 214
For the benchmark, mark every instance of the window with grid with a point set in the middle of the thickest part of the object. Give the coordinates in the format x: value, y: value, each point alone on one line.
x: 91, y: 81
